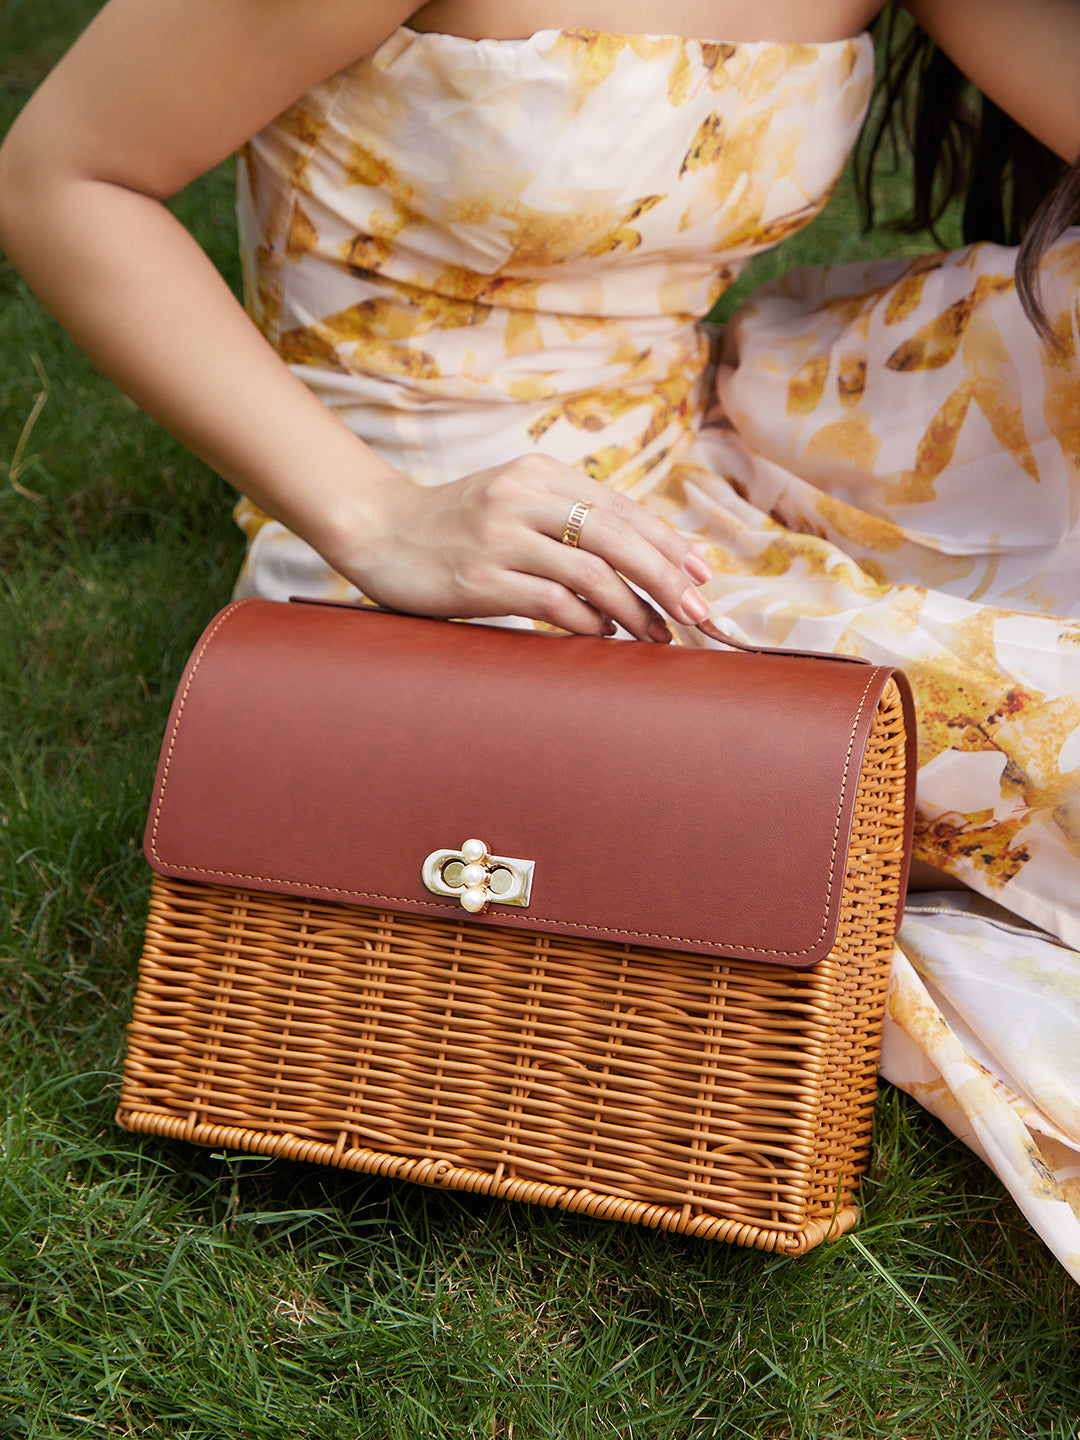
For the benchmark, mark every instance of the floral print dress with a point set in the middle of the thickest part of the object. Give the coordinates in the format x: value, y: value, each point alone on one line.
x: 472, y: 249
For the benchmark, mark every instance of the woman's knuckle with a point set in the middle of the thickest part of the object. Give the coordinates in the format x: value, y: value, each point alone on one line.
x: 592, y: 571
x: 552, y: 602
x: 503, y: 489
x: 534, y: 468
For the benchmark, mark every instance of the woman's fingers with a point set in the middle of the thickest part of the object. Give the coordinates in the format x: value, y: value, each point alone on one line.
x: 501, y: 542
x: 636, y: 545
x: 591, y: 578
x: 661, y: 536
x: 553, y: 603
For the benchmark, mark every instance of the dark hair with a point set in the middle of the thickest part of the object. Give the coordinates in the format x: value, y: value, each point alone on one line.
x: 1013, y: 189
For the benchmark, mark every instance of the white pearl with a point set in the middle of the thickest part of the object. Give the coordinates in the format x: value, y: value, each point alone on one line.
x: 474, y: 900
x: 474, y: 851
x: 474, y: 875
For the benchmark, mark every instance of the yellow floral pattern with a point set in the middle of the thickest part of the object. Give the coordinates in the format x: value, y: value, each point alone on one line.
x: 425, y: 232
x: 472, y: 249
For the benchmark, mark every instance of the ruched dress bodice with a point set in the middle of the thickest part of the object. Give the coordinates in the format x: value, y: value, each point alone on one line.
x: 471, y: 247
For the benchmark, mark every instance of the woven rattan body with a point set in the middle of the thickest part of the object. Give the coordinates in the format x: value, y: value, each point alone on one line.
x: 714, y: 1097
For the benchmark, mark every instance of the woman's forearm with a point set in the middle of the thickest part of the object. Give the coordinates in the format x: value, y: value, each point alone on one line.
x: 144, y: 302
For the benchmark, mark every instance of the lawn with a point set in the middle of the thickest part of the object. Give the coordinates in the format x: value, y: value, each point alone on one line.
x: 151, y: 1289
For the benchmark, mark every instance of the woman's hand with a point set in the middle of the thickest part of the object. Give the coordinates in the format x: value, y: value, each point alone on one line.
x: 491, y: 544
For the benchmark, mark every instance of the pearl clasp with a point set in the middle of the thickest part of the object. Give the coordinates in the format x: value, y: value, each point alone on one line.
x: 478, y: 879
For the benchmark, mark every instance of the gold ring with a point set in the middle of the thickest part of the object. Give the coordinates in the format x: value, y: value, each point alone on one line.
x: 572, y: 529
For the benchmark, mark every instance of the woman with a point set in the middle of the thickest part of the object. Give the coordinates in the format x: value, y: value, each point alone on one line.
x: 482, y: 248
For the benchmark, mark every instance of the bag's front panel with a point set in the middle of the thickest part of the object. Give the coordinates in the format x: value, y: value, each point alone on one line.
x: 688, y: 799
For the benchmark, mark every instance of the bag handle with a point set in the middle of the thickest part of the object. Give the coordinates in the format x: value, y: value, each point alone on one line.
x: 706, y: 627
x: 715, y: 633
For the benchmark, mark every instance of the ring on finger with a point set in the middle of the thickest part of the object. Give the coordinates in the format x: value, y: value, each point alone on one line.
x: 572, y: 529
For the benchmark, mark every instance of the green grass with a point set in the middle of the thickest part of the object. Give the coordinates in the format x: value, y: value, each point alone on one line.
x: 151, y: 1289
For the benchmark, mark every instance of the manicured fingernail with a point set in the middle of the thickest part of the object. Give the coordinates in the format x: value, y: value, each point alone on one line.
x: 694, y: 607
x: 697, y: 567
x: 659, y: 632
x: 609, y: 627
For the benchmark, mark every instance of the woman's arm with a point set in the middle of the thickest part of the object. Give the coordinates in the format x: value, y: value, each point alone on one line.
x: 155, y: 93
x: 1023, y: 54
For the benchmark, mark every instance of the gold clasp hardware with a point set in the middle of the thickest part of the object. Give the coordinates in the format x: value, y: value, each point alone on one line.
x: 478, y: 879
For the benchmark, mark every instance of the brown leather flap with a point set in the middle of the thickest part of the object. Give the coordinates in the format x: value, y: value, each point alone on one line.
x: 689, y: 799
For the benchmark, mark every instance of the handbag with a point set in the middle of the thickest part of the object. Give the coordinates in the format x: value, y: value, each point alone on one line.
x: 597, y: 925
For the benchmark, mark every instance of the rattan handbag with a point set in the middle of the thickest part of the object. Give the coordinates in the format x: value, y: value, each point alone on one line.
x: 597, y: 925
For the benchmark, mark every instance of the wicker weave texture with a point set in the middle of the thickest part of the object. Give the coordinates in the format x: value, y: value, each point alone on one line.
x: 729, y: 1099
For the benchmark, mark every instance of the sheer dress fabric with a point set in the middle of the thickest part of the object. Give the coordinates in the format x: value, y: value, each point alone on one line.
x: 471, y: 250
